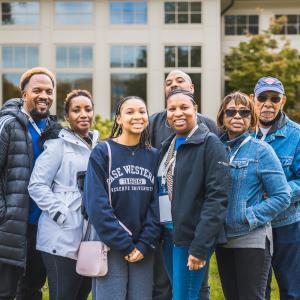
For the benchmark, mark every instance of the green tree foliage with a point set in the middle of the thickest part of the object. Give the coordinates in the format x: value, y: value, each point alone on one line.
x: 103, y: 126
x: 265, y: 54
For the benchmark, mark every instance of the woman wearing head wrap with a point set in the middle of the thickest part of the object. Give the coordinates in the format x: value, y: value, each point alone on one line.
x: 193, y: 182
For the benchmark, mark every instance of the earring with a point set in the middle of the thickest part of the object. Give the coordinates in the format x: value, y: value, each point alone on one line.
x: 166, y: 124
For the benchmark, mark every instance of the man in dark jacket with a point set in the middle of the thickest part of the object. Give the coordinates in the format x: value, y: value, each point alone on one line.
x: 160, y: 131
x: 21, y: 123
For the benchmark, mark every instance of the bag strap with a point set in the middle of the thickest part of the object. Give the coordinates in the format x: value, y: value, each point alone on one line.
x: 109, y: 172
x: 88, y: 229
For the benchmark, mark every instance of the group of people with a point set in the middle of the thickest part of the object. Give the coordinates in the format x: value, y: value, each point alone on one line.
x: 163, y: 193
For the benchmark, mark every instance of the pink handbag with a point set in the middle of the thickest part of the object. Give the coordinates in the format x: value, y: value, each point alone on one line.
x: 92, y: 259
x: 92, y: 255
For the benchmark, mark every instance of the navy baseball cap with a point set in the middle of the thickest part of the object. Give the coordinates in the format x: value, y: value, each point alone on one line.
x: 268, y: 84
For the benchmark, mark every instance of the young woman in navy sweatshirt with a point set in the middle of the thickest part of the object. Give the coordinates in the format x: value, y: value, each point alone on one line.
x: 130, y: 226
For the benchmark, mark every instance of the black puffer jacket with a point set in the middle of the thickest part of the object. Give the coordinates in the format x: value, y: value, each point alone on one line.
x: 16, y: 159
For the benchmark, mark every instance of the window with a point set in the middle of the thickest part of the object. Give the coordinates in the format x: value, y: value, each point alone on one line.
x: 128, y: 56
x: 10, y: 86
x: 183, y: 12
x: 20, y: 13
x: 182, y: 56
x: 74, y: 57
x: 126, y: 85
x: 20, y: 56
x: 241, y: 24
x: 65, y: 83
x: 292, y: 25
x: 128, y: 12
x: 74, y: 12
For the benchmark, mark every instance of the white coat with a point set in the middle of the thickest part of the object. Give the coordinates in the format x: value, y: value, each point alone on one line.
x: 53, y: 186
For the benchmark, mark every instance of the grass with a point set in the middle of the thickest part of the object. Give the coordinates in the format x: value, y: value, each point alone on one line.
x: 216, y: 289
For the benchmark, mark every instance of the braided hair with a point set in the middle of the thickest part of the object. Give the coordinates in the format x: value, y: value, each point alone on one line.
x: 116, y: 130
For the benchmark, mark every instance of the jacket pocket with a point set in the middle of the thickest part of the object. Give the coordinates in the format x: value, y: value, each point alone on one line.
x: 286, y: 163
x: 239, y: 168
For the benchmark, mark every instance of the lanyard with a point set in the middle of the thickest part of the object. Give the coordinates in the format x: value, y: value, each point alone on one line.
x: 172, y: 160
x: 245, y: 141
x: 37, y: 129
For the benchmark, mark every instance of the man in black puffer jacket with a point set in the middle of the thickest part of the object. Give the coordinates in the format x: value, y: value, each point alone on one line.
x: 21, y: 123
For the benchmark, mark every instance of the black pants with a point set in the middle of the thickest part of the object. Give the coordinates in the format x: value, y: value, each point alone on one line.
x: 64, y: 283
x: 34, y: 278
x: 9, y: 278
x: 244, y: 272
x: 162, y: 289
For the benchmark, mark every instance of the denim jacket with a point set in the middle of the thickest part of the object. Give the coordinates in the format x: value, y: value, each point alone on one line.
x: 284, y: 137
x: 259, y: 189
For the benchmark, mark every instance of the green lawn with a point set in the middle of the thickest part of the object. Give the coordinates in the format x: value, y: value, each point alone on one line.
x: 216, y: 289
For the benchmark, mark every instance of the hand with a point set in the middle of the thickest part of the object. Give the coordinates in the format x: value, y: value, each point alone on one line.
x: 135, y: 256
x: 195, y: 263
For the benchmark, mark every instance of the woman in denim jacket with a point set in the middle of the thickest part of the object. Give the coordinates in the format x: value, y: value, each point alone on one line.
x: 259, y: 191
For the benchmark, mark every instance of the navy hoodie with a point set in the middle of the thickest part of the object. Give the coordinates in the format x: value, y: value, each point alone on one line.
x: 134, y: 196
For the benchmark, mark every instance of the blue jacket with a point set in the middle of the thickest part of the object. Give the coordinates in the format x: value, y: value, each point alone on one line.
x: 255, y: 172
x: 284, y: 137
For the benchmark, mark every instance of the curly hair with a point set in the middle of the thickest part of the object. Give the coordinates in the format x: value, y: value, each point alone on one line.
x: 73, y: 94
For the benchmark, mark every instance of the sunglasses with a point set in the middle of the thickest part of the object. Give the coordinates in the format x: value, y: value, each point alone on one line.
x: 264, y: 98
x: 244, y: 113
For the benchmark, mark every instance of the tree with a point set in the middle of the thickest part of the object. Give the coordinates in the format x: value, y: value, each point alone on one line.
x: 265, y: 54
x: 103, y: 126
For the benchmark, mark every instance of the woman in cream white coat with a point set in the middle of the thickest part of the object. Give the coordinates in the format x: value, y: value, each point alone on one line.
x: 53, y: 186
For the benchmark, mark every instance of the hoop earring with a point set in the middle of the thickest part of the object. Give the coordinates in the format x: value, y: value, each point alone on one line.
x: 167, y: 125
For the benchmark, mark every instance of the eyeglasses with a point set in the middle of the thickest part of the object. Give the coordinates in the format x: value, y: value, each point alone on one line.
x: 264, y: 98
x: 244, y: 113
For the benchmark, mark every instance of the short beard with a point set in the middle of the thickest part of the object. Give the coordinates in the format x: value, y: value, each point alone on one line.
x: 37, y: 116
x: 270, y: 123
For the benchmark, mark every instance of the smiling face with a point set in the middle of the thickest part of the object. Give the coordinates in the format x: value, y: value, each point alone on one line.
x: 80, y: 115
x: 133, y: 117
x: 237, y: 124
x: 178, y: 79
x: 38, y: 96
x: 181, y: 114
x: 267, y: 110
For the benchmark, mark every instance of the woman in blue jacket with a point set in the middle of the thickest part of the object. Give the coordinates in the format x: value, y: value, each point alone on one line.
x: 130, y: 226
x: 259, y: 192
x: 193, y: 183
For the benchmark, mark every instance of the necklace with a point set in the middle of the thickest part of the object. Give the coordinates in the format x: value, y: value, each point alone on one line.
x: 132, y: 149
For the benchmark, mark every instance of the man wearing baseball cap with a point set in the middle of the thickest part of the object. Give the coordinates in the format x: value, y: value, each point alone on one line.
x: 284, y: 136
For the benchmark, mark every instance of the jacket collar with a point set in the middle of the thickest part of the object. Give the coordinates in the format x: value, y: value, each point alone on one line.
x: 14, y: 106
x: 277, y: 128
x: 70, y: 137
x: 197, y: 138
x: 232, y: 144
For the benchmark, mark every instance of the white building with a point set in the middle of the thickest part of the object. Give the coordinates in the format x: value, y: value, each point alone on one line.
x: 117, y: 48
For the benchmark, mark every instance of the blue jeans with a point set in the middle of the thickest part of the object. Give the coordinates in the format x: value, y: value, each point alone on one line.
x: 286, y: 260
x: 186, y: 284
